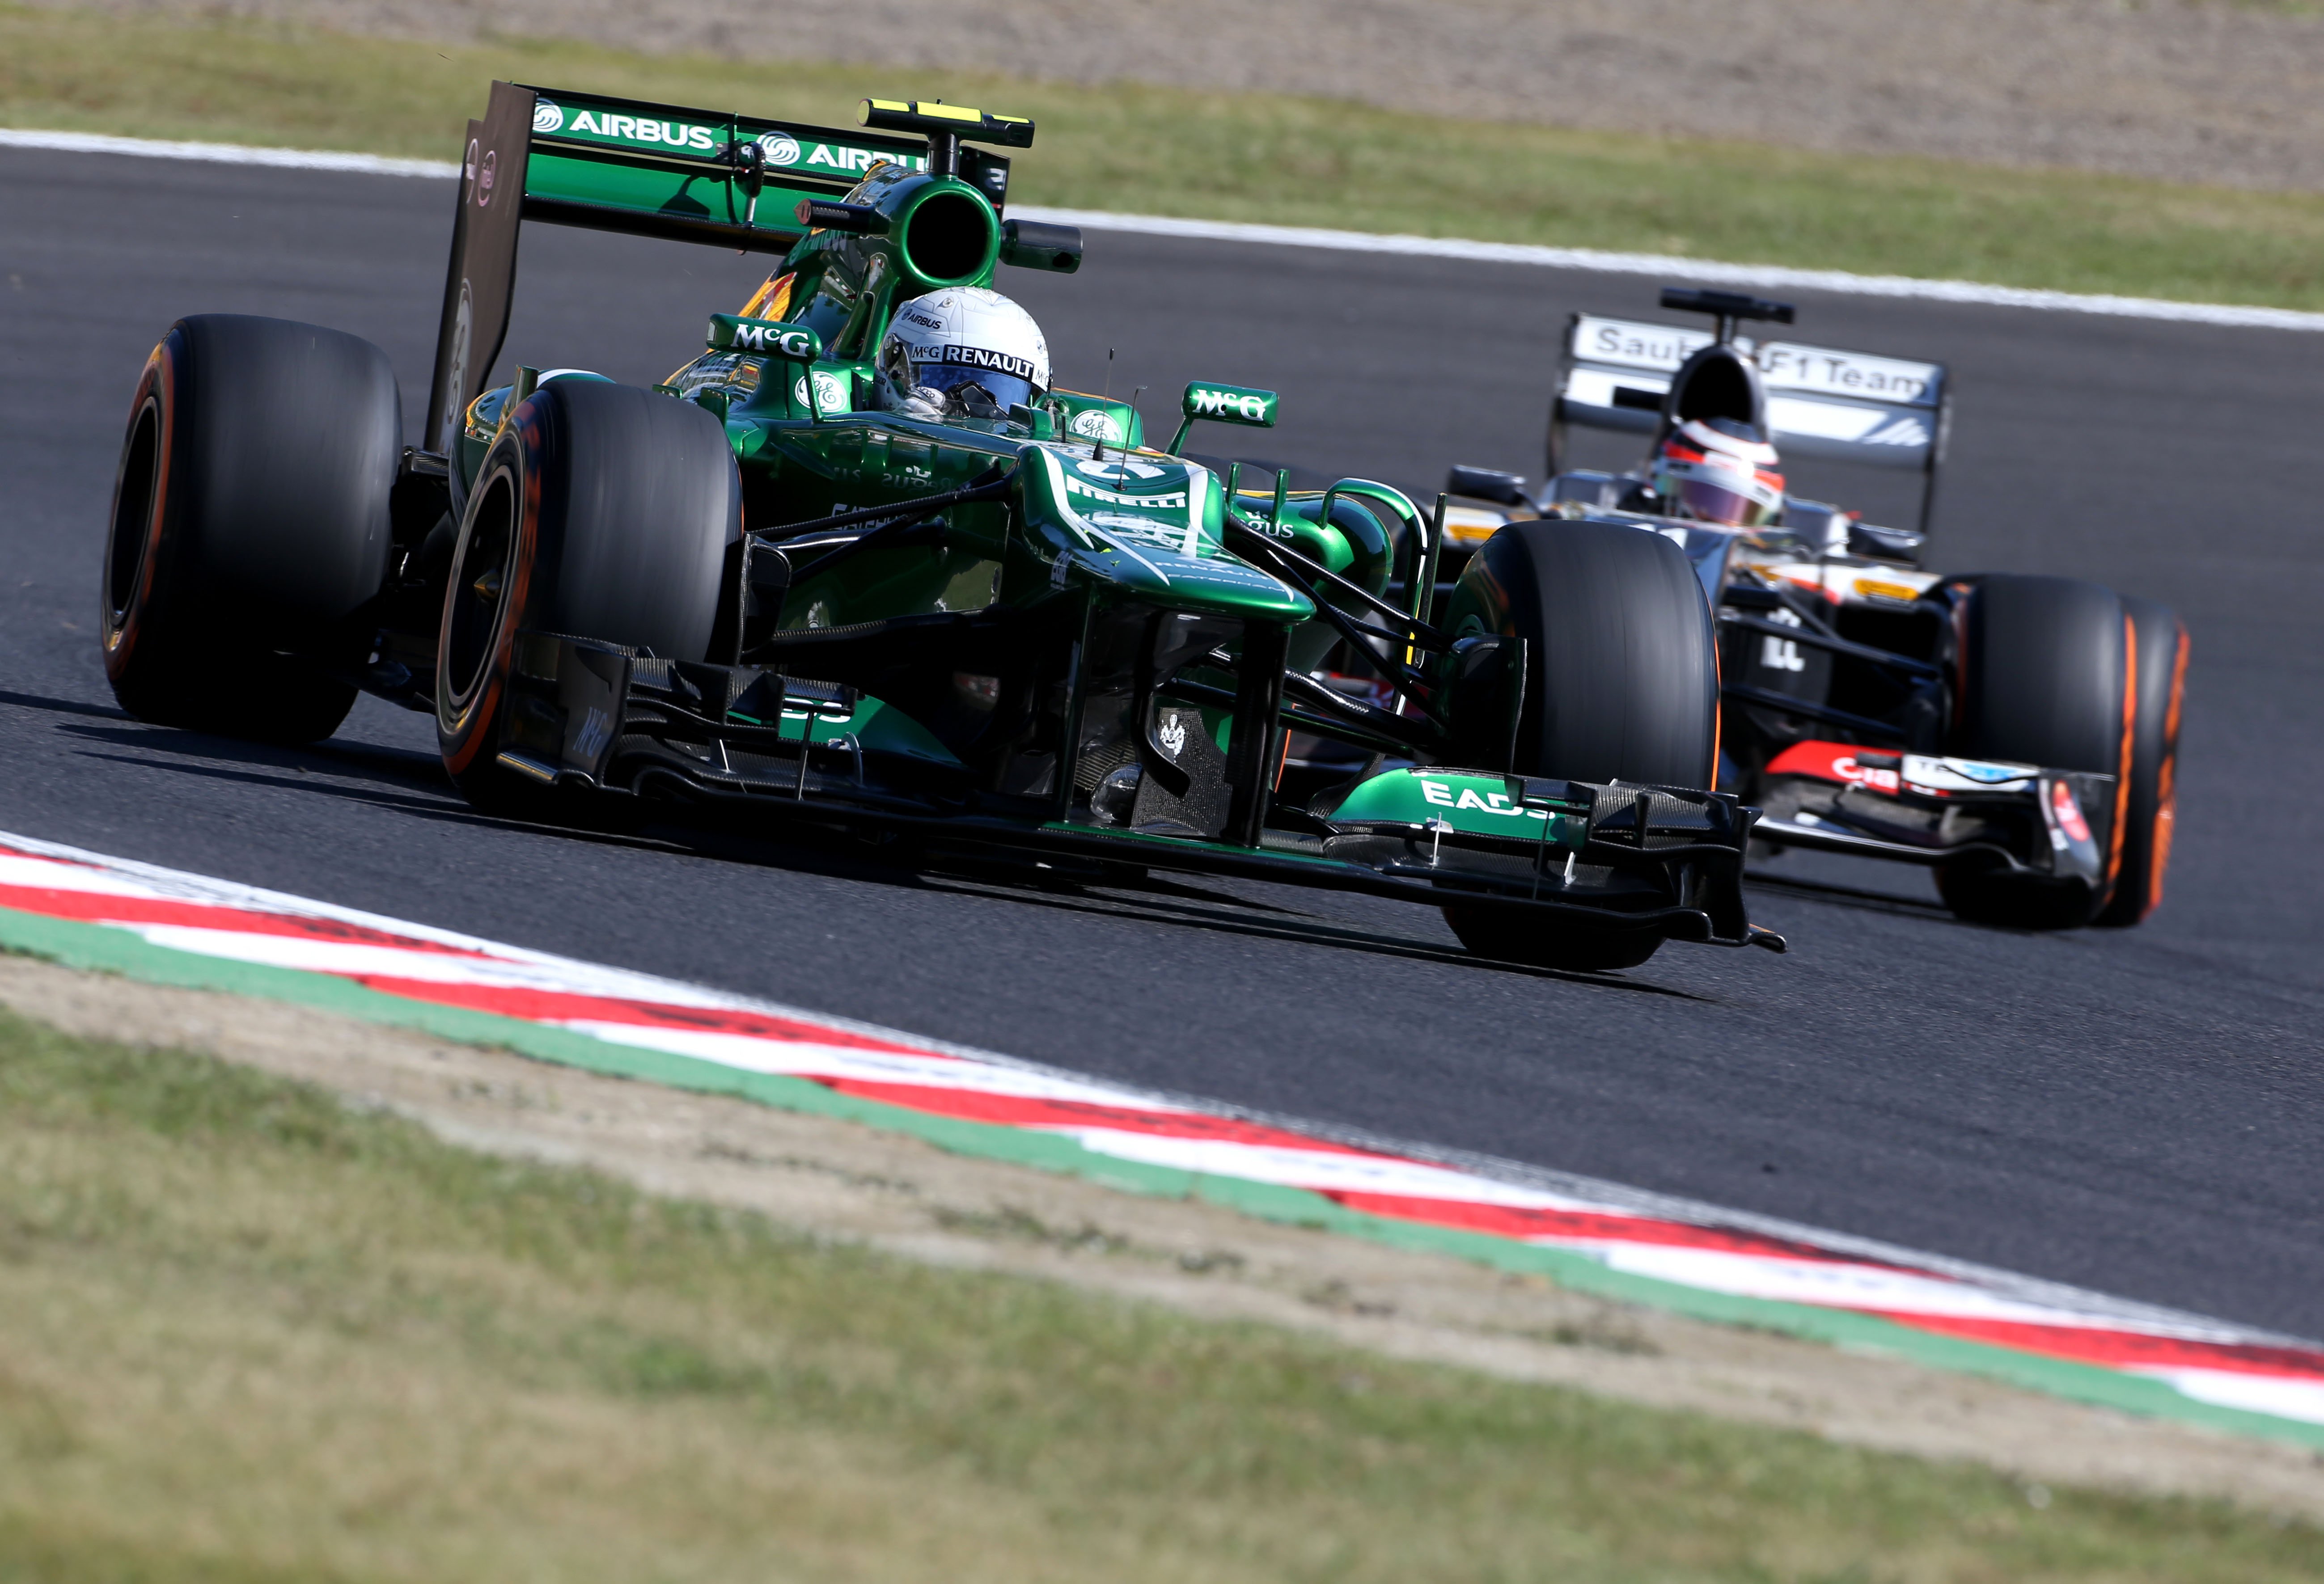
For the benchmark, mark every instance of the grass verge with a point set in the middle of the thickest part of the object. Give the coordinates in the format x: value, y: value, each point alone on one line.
x: 1238, y: 157
x: 247, y: 1333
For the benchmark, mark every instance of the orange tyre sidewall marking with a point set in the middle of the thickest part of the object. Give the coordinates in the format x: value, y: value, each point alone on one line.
x: 2166, y: 794
x: 2129, y: 753
x: 1717, y: 707
x: 158, y: 385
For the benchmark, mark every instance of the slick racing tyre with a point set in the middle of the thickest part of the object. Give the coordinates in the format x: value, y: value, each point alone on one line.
x: 250, y: 527
x: 2043, y: 676
x: 2159, y: 644
x: 601, y: 512
x: 1622, y: 683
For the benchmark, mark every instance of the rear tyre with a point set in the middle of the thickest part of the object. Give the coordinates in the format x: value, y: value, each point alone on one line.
x: 2042, y: 678
x: 1621, y: 684
x: 2159, y: 643
x: 601, y: 511
x: 249, y: 527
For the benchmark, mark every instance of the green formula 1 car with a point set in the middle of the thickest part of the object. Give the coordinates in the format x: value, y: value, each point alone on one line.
x: 815, y: 582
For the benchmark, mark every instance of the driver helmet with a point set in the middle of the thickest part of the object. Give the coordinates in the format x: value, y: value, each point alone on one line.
x: 1718, y: 470
x: 964, y: 352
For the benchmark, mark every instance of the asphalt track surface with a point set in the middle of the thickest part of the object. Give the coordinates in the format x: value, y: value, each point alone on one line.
x: 2136, y: 1111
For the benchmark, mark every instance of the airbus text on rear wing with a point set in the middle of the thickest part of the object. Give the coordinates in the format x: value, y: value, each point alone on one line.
x: 660, y: 171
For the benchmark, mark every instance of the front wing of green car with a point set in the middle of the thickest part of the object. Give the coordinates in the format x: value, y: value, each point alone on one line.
x: 777, y: 750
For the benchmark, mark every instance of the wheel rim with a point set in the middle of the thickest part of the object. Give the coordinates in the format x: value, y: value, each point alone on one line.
x: 131, y: 532
x: 476, y: 599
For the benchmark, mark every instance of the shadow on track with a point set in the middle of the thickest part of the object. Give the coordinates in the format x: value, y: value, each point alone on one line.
x: 448, y: 809
x: 1289, y: 927
x: 1851, y: 896
x: 360, y: 759
x: 336, y: 769
x: 63, y: 706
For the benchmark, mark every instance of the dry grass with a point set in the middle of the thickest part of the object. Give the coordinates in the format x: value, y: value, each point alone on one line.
x: 1285, y: 160
x: 248, y: 1333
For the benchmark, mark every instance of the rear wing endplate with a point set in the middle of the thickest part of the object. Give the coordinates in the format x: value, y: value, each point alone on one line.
x: 1847, y: 406
x: 608, y: 165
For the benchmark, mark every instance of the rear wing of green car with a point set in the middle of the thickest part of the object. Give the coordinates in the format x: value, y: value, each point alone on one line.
x: 608, y: 165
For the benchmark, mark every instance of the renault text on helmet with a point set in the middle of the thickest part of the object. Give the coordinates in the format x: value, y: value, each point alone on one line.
x: 963, y: 352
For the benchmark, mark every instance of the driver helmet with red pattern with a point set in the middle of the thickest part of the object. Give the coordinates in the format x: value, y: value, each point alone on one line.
x: 1718, y: 470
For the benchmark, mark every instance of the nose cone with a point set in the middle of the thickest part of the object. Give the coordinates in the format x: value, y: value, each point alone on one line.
x: 1150, y: 526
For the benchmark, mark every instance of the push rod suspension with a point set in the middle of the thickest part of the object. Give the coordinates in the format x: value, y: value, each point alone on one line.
x: 1838, y: 646
x: 992, y: 487
x: 1246, y: 539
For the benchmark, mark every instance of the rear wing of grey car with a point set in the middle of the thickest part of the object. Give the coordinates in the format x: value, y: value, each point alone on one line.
x: 1822, y: 403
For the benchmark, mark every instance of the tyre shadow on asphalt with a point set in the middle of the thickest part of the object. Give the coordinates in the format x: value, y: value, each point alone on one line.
x: 444, y: 808
x: 63, y: 706
x: 1153, y: 899
x: 1859, y: 900
x: 1139, y: 906
x: 327, y: 769
x: 368, y: 759
x: 1853, y: 897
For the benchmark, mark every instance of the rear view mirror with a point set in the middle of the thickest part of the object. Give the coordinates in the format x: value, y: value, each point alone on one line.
x: 1234, y: 404
x: 1488, y: 483
x: 1030, y: 244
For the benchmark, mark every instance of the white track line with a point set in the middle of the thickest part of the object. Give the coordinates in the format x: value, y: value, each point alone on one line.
x: 1670, y: 266
x: 1666, y: 265
x: 94, y: 142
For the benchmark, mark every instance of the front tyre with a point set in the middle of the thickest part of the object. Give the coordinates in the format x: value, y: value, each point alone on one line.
x: 2045, y: 674
x: 2158, y: 642
x: 1621, y: 685
x: 249, y: 527
x: 601, y: 511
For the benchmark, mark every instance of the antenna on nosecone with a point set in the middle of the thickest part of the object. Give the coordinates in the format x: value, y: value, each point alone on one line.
x: 1121, y: 467
x: 1097, y: 442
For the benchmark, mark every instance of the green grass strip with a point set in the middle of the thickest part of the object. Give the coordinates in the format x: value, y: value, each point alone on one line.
x: 110, y: 949
x: 1269, y: 158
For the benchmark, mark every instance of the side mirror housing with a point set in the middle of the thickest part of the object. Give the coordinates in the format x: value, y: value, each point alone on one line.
x: 1488, y: 483
x: 1033, y: 244
x: 1234, y: 404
